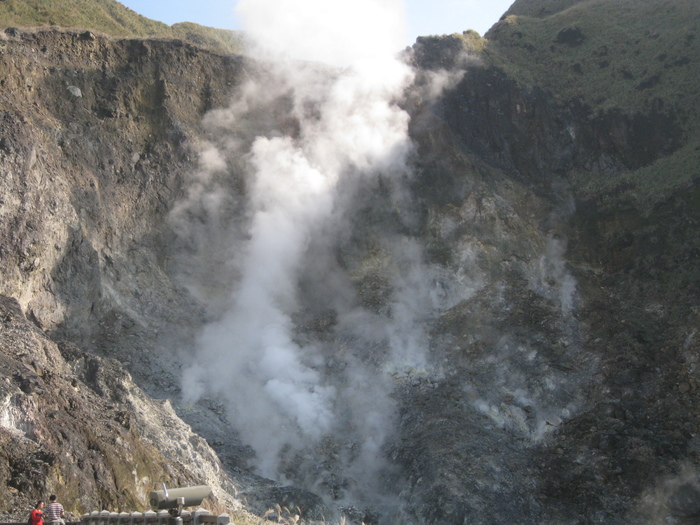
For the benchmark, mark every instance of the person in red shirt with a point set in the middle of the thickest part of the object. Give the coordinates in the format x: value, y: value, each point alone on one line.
x: 37, y: 515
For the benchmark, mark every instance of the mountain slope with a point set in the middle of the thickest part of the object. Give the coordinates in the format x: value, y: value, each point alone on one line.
x: 637, y: 61
x: 112, y: 18
x: 592, y: 106
x: 552, y: 217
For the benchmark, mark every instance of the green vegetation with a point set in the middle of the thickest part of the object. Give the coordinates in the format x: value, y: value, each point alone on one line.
x: 540, y: 8
x: 645, y: 187
x: 622, y: 54
x: 469, y: 41
x: 114, y: 19
x: 631, y: 56
x: 218, y: 40
x: 473, y: 41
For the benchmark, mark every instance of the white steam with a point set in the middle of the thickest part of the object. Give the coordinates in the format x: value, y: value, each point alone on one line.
x: 306, y: 132
x: 551, y: 277
x: 338, y: 33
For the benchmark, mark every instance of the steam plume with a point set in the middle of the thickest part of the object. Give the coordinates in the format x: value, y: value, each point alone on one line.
x: 311, y: 135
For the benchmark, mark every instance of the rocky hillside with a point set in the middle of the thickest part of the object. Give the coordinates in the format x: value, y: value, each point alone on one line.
x: 586, y: 105
x: 76, y: 423
x: 67, y: 416
x: 544, y: 253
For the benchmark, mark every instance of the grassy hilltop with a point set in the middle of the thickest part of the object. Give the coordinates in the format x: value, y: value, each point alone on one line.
x: 622, y: 54
x: 114, y: 19
x: 627, y: 56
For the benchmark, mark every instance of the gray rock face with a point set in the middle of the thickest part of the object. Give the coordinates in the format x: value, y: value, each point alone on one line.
x: 76, y: 424
x: 559, y: 333
x: 84, y: 255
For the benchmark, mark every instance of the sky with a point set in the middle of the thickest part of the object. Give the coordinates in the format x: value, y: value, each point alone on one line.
x: 425, y: 17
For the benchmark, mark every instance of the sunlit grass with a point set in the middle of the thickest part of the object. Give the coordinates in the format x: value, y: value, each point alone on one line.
x: 623, y: 54
x: 111, y: 18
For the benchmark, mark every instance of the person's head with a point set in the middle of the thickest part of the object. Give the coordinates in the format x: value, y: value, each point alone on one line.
x: 39, y: 504
x: 52, y: 498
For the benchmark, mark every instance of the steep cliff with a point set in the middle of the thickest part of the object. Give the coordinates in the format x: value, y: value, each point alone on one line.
x: 541, y: 257
x: 584, y: 104
x: 81, y: 141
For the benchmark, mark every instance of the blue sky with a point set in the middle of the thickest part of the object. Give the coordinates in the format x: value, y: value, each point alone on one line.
x: 425, y: 17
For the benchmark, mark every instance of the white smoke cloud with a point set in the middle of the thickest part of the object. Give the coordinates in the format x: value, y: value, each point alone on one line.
x: 310, y: 136
x: 551, y: 277
x: 337, y: 33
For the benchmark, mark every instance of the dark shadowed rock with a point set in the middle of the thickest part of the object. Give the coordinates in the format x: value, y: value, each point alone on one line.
x: 571, y: 36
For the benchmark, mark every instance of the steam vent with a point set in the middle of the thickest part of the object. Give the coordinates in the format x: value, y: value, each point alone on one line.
x: 345, y: 281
